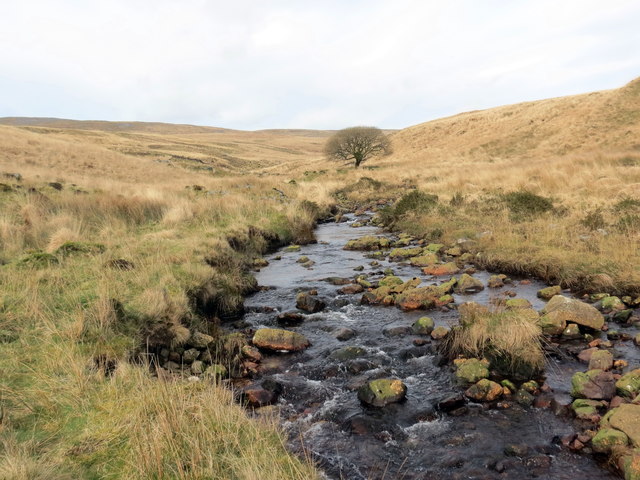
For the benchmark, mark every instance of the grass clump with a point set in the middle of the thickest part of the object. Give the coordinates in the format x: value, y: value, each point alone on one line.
x: 510, y: 339
x: 525, y: 203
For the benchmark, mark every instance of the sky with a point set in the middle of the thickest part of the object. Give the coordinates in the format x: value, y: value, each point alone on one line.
x: 324, y: 64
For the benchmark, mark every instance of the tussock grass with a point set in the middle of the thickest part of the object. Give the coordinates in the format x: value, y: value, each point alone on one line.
x: 510, y: 339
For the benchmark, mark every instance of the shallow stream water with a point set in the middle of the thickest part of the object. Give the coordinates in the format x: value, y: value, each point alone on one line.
x: 409, y: 440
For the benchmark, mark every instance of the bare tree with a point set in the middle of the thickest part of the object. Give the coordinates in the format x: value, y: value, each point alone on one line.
x: 357, y: 144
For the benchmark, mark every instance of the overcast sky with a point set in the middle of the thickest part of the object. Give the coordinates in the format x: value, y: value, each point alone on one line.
x: 306, y: 64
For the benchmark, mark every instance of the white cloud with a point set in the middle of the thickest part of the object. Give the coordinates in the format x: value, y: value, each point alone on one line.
x: 288, y: 63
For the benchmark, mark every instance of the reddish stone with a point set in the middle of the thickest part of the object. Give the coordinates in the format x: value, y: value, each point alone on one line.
x: 351, y: 289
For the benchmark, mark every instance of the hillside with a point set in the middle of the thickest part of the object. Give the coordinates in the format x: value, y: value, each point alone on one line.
x: 201, y: 149
x: 606, y: 120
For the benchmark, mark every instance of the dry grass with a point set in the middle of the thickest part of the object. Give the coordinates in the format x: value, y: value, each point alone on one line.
x: 510, y: 339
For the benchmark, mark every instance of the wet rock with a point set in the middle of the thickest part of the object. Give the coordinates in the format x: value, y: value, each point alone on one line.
x: 531, y: 386
x: 251, y: 353
x: 607, y: 439
x: 440, y: 332
x: 562, y: 310
x: 451, y: 402
x: 594, y: 384
x: 450, y: 268
x: 200, y: 340
x: 351, y: 289
x: 544, y: 401
x: 496, y: 281
x: 423, y: 326
x: 585, y: 409
x: 278, y: 339
x: 484, y: 391
x: 414, y: 352
x: 309, y: 303
x: 467, y: 285
x: 471, y: 370
x: 549, y: 292
x: 602, y: 360
x: 338, y: 281
x: 516, y: 450
x: 359, y: 365
x: 368, y: 243
x: 396, y: 331
x: 256, y: 396
x: 292, y: 248
x: 538, y: 463
x: 288, y: 319
x: 344, y: 333
x: 613, y: 335
x: 585, y: 355
x: 381, y: 392
x: 347, y: 353
x: 629, y: 384
x: 524, y: 398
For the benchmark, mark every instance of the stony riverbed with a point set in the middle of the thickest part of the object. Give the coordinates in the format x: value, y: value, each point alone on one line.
x: 315, y: 389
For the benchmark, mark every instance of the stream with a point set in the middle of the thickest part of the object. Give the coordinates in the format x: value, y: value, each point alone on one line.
x: 318, y: 403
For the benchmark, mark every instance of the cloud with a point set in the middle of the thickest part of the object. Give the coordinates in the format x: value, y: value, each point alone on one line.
x: 306, y: 64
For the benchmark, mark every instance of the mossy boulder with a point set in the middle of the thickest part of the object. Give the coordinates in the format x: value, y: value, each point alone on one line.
x: 279, y: 339
x: 423, y: 326
x: 424, y: 260
x: 612, y: 304
x: 367, y: 243
x: 629, y: 384
x: 625, y: 418
x: 607, y: 439
x: 418, y: 298
x: 601, y: 359
x: 471, y: 370
x: 260, y: 263
x: 434, y: 247
x: 408, y: 285
x: 594, y: 385
x: 630, y: 466
x: 453, y: 251
x: 515, y: 303
x: 484, y: 391
x: 200, y: 340
x: 467, y: 284
x: 586, y: 409
x: 390, y: 281
x: 442, y: 269
x: 562, y: 310
x: 293, y: 248
x: 404, y: 253
x: 549, y: 292
x: 382, y: 392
